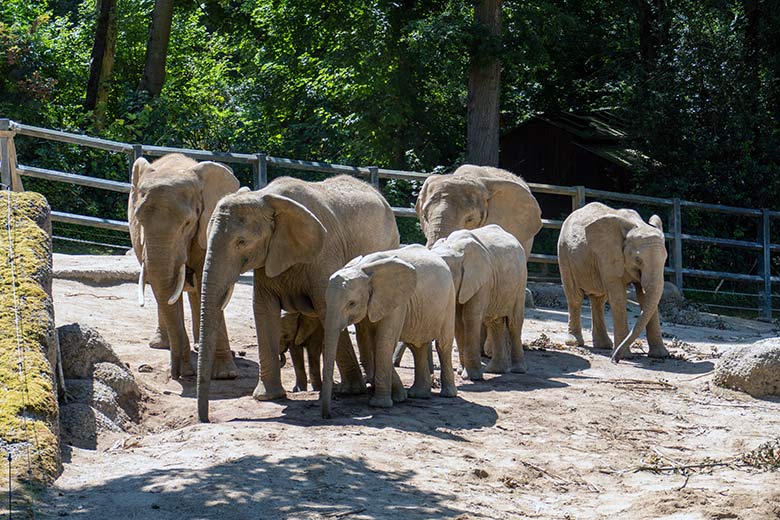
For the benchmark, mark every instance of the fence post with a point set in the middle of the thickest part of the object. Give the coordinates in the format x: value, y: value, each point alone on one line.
x: 5, y: 152
x: 260, y: 170
x: 677, y: 230
x: 579, y: 198
x: 374, y: 171
x: 138, y: 152
x: 766, y: 266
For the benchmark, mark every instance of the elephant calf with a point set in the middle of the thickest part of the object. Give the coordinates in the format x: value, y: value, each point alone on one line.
x: 488, y: 267
x: 299, y: 333
x: 406, y: 295
x: 600, y: 251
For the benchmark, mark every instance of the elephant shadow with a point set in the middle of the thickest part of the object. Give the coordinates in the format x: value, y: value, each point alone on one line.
x: 225, y: 388
x: 544, y: 367
x: 438, y: 417
x: 260, y: 486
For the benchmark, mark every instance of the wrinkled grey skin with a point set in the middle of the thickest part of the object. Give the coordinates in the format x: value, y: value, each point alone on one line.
x: 488, y: 267
x: 600, y: 251
x: 294, y: 235
x: 474, y: 196
x: 170, y: 203
x: 302, y: 333
x: 405, y: 295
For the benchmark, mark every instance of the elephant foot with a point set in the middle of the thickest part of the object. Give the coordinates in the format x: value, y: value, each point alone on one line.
x: 269, y: 393
x: 185, y: 371
x: 519, y: 367
x: 298, y: 388
x: 448, y: 390
x: 419, y: 392
x: 350, y: 387
x: 381, y: 402
x: 472, y: 374
x: 159, y: 341
x: 497, y: 367
x: 657, y: 351
x: 224, y: 367
x: 621, y: 354
x: 574, y: 340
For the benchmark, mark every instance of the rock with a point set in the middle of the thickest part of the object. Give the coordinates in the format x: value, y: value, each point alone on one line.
x: 548, y: 295
x: 754, y: 369
x: 80, y: 424
x: 81, y: 348
x: 671, y: 295
x: 118, y: 378
x: 145, y: 368
x: 529, y: 299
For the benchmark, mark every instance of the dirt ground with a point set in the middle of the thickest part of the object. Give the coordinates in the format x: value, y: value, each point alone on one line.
x: 575, y: 437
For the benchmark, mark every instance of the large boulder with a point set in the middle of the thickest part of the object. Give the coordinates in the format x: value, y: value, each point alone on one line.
x: 103, y: 395
x: 754, y: 369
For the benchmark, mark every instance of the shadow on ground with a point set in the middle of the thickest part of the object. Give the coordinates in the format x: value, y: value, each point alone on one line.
x: 257, y: 487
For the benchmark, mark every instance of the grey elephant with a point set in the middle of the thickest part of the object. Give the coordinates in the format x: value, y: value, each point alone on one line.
x: 474, y: 196
x: 301, y: 333
x: 600, y: 251
x: 170, y: 204
x: 489, y: 271
x: 404, y: 294
x: 294, y: 235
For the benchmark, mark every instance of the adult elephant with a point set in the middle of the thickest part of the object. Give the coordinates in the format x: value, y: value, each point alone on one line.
x: 600, y: 251
x: 171, y: 201
x: 294, y: 235
x: 474, y: 196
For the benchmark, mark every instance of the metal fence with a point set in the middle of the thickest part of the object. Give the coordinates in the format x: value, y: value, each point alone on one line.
x: 11, y: 171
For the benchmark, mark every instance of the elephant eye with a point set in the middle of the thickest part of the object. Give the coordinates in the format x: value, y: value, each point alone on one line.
x: 351, y: 304
x: 241, y: 242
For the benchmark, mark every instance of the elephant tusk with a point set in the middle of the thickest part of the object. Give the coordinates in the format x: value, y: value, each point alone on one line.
x: 179, y: 285
x: 227, y: 297
x: 141, y: 286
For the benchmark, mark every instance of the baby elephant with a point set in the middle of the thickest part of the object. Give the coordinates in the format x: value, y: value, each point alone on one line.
x: 600, y: 251
x: 299, y: 333
x: 488, y: 268
x: 405, y: 295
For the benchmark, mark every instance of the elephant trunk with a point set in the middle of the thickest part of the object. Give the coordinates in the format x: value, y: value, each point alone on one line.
x: 652, y: 286
x: 333, y: 328
x: 163, y: 284
x: 439, y: 226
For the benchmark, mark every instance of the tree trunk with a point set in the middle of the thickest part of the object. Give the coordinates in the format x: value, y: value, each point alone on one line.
x: 654, y: 25
x: 484, y: 86
x: 153, y: 76
x: 102, y: 61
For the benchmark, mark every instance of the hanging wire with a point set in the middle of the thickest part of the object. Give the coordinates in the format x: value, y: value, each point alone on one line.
x: 20, y: 354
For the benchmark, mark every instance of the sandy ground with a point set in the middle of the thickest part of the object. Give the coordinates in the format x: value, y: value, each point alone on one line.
x: 566, y: 440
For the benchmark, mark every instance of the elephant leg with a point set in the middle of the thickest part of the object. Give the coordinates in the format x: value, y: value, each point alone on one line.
x: 617, y: 303
x: 388, y: 331
x: 224, y: 366
x: 352, y: 381
x: 429, y: 352
x: 365, y: 340
x: 314, y: 352
x: 460, y: 335
x: 160, y: 339
x: 655, y: 342
x: 173, y: 322
x: 267, y: 311
x: 500, y: 363
x: 574, y: 297
x: 296, y: 353
x: 446, y: 373
x: 471, y: 349
x: 515, y: 326
x: 398, y: 354
x: 601, y: 338
x: 421, y: 389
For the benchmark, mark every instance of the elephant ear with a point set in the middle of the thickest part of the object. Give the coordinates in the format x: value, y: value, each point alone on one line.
x: 140, y: 167
x: 605, y: 237
x: 307, y: 326
x: 475, y: 271
x: 656, y: 222
x: 298, y: 235
x: 512, y: 205
x: 218, y: 180
x: 392, y: 283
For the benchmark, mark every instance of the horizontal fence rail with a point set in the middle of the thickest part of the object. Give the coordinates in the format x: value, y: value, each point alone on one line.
x: 260, y: 161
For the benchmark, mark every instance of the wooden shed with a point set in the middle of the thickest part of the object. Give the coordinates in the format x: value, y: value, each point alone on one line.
x: 570, y: 149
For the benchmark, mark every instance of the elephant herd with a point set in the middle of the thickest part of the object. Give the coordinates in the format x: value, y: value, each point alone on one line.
x: 326, y: 255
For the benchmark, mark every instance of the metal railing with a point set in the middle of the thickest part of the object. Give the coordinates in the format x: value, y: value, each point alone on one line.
x: 10, y: 172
